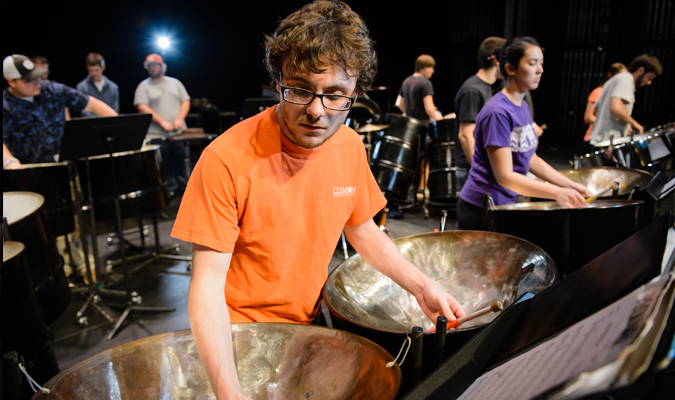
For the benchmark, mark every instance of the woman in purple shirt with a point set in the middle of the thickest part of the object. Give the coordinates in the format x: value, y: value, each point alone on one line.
x: 506, y: 144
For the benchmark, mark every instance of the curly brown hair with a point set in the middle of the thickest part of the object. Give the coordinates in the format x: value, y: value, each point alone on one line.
x: 321, y: 34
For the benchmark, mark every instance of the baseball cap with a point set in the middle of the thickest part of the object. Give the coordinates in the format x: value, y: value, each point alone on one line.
x: 17, y: 66
x: 156, y: 58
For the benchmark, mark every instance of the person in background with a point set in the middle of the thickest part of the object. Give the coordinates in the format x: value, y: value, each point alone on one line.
x: 589, y: 114
x: 416, y: 96
x: 33, y: 114
x: 98, y: 85
x: 470, y: 99
x: 506, y: 144
x: 33, y: 120
x: 615, y: 104
x: 169, y: 103
x: 416, y: 99
x: 43, y: 63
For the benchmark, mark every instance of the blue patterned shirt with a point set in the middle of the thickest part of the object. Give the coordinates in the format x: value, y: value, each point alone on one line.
x: 32, y: 131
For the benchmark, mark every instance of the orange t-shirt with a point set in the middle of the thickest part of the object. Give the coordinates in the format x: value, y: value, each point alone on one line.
x: 280, y: 210
x: 592, y: 98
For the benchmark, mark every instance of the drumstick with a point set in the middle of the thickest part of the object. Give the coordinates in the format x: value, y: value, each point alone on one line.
x: 615, y: 186
x: 494, y: 307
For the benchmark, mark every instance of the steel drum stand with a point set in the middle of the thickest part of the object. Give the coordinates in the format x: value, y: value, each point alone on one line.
x: 131, y: 300
x: 93, y: 288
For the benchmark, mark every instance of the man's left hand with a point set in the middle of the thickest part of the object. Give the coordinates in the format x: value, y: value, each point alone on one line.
x: 178, y: 124
x: 434, y: 301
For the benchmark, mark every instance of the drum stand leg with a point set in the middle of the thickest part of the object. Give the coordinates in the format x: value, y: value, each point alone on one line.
x: 127, y: 284
x: 159, y: 253
x: 92, y: 288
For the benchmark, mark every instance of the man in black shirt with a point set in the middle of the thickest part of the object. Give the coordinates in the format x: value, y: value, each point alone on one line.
x: 416, y: 97
x: 470, y: 99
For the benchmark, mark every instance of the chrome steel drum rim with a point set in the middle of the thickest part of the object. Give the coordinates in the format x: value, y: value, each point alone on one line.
x: 176, y: 370
x: 598, y: 179
x: 345, y: 303
x: 11, y: 250
x: 553, y: 206
x: 16, y: 211
x: 124, y: 153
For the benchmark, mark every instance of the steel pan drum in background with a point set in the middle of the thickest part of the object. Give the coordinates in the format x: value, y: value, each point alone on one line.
x: 24, y: 329
x: 442, y: 181
x: 28, y: 225
x: 141, y: 184
x: 477, y: 268
x: 274, y: 361
x: 590, y: 160
x: 442, y: 131
x: 601, y: 178
x: 573, y: 237
x: 52, y: 181
x: 395, y: 152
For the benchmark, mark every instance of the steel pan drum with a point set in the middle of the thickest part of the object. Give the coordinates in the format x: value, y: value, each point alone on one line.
x: 51, y: 180
x: 24, y: 329
x: 600, y: 178
x: 28, y: 224
x: 573, y: 237
x: 477, y: 268
x: 395, y: 151
x: 274, y: 361
x: 442, y: 131
x: 140, y: 182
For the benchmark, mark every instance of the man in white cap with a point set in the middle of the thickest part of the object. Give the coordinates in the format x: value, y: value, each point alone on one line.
x: 169, y: 103
x: 33, y: 115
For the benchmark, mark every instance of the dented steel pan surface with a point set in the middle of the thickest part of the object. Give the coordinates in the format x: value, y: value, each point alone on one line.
x: 601, y: 178
x: 477, y: 268
x: 274, y: 361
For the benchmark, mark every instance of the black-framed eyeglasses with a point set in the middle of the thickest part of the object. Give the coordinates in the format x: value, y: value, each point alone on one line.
x: 336, y: 102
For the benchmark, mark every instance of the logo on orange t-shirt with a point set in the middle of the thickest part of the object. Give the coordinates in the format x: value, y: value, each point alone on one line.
x: 344, y: 191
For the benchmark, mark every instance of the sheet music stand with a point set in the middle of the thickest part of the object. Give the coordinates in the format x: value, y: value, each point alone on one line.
x: 84, y: 138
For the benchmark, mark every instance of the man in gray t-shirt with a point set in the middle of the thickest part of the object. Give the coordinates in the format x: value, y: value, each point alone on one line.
x: 615, y: 105
x: 169, y: 103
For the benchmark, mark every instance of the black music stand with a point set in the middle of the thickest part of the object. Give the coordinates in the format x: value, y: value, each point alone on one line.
x: 84, y: 138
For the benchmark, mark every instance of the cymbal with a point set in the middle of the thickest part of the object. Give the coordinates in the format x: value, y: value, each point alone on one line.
x: 371, y: 128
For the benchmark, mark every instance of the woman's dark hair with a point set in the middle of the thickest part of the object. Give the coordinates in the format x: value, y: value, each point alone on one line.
x: 513, y: 50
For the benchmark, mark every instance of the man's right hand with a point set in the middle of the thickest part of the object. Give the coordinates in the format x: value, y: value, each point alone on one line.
x: 167, y: 126
x: 637, y: 129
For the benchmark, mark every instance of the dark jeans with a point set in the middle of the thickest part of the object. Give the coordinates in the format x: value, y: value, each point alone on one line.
x: 469, y: 217
x: 173, y: 163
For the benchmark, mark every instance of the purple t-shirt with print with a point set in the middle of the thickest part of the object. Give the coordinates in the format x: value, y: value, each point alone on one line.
x: 503, y: 124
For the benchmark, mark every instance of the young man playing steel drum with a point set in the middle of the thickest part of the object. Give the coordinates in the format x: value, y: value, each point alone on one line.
x: 615, y: 105
x: 268, y: 199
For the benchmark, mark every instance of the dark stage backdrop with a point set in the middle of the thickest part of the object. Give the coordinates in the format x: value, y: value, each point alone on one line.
x: 218, y: 46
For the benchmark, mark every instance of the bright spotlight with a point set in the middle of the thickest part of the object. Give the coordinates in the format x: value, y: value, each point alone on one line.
x: 163, y: 42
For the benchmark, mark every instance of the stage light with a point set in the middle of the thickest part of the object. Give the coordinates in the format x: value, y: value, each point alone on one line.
x: 163, y: 42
